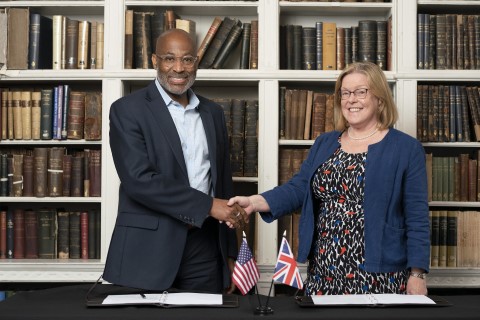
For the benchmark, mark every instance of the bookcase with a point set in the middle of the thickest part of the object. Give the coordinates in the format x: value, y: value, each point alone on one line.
x: 262, y: 84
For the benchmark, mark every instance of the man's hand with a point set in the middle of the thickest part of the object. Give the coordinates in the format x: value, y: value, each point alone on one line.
x: 234, y: 216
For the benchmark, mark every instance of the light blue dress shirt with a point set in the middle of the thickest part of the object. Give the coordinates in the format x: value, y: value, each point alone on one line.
x: 193, y: 139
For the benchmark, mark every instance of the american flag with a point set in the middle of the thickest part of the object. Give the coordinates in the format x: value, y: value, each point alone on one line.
x: 245, y: 274
x: 286, y: 270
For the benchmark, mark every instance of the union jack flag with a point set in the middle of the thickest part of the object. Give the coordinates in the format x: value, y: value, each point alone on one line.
x: 245, y: 274
x: 286, y: 270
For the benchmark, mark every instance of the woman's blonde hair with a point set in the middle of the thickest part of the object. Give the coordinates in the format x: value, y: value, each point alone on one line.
x: 377, y: 85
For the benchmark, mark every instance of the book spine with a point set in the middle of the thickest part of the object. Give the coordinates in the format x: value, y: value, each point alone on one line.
x: 76, y: 184
x: 18, y: 234
x: 63, y: 235
x: 82, y: 46
x: 100, y: 45
x: 34, y: 39
x: 251, y: 139
x: 55, y: 171
x: 367, y: 40
x: 27, y: 175
x: 67, y: 175
x: 26, y: 105
x: 142, y: 41
x: 217, y: 43
x: 84, y: 235
x: 31, y: 235
x: 76, y: 115
x: 319, y: 45
x: 245, y: 51
x: 36, y: 115
x: 17, y: 115
x: 3, y: 234
x: 74, y: 232
x: 230, y: 43
x: 56, y: 42
x: 17, y: 181
x: 47, y: 226
x: 46, y: 114
x: 71, y: 49
x: 40, y: 172
x: 309, y: 48
x: 238, y: 137
x: 128, y: 39
x: 92, y: 58
x: 65, y: 106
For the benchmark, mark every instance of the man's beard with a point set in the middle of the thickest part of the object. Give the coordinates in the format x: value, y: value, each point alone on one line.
x: 176, y: 90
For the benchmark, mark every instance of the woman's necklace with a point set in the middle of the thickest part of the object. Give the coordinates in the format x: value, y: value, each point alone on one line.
x: 362, y: 138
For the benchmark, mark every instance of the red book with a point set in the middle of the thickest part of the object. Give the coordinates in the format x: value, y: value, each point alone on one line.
x: 84, y: 235
x: 3, y: 234
x: 18, y: 234
x: 31, y: 235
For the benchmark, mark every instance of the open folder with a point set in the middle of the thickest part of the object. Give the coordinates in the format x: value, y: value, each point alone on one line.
x: 371, y: 300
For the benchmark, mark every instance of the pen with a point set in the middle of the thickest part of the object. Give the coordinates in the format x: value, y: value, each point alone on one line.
x: 143, y: 296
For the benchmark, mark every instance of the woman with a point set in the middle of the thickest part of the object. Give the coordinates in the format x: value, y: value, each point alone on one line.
x: 364, y: 226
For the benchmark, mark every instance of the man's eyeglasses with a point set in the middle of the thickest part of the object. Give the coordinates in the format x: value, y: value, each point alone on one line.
x: 169, y: 60
x: 359, y: 93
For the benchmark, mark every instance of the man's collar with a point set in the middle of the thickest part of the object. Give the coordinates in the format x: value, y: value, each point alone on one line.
x: 193, y: 101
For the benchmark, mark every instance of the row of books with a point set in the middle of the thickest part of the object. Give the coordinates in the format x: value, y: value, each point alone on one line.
x: 448, y: 113
x: 339, y: 0
x: 50, y: 172
x: 454, y: 238
x: 58, y: 113
x: 241, y: 117
x: 453, y: 178
x: 49, y: 234
x: 448, y: 41
x: 35, y: 41
x: 327, y: 46
x: 305, y: 114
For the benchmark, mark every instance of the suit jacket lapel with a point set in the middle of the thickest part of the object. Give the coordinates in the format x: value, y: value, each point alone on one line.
x: 165, y: 123
x: 209, y: 128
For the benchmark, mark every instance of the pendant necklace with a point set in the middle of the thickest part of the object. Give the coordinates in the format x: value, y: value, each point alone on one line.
x: 362, y: 138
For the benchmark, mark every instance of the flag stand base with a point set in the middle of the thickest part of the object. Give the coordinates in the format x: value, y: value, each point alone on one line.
x: 263, y: 310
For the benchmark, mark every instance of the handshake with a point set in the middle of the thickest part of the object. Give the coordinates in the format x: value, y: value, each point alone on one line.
x: 234, y: 212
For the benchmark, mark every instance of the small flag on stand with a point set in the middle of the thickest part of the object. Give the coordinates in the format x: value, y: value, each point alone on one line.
x: 286, y: 270
x: 245, y: 274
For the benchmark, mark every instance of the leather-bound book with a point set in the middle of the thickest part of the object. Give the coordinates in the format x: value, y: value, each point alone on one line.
x: 28, y: 175
x: 98, y: 224
x: 46, y: 114
x: 40, y: 158
x: 36, y: 115
x: 18, y: 234
x: 288, y: 114
x: 389, y: 44
x: 17, y: 115
x: 471, y: 30
x: 47, y: 233
x: 308, y: 115
x: 319, y: 45
x: 76, y: 115
x: 472, y: 180
x: 3, y: 175
x: 157, y: 22
x: 17, y: 40
x: 93, y: 116
x: 432, y: 42
x: 289, y: 55
x: 10, y: 237
x: 55, y: 171
x: 76, y: 185
x: 226, y: 104
x: 63, y: 234
x: 84, y: 234
x: 421, y: 36
x: 57, y: 42
x: 238, y: 137
x: 381, y: 48
x: 281, y: 113
x: 441, y: 46
x: 74, y: 241
x: 67, y: 175
x: 17, y: 181
x: 26, y: 105
x: 10, y: 191
x: 217, y: 21
x: 92, y: 48
x: 473, y: 111
x: 92, y: 234
x: 4, y: 99
x: 40, y: 42
x: 329, y: 45
x: 3, y: 37
x: 302, y: 105
x: 297, y: 47
x: 442, y: 239
x: 355, y: 44
x: 367, y: 40
x: 329, y: 114
x: 170, y: 18
x: 100, y: 45
x: 245, y: 49
x: 3, y: 234
x: 86, y: 170
x: 452, y: 238
x: 340, y: 53
x: 232, y: 40
x: 464, y: 165
x: 83, y: 44
x: 318, y: 117
x: 142, y: 41
x: 71, y: 49
x: 435, y: 234
x: 250, y: 156
x: 65, y: 105
x: 31, y: 234
x: 128, y: 39
x: 217, y: 42
x: 309, y: 48
x: 348, y: 46
x: 10, y: 133
x: 95, y: 173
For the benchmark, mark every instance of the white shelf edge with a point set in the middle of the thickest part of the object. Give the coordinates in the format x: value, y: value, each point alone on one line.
x: 455, y: 204
x: 51, y: 200
x: 177, y: 3
x: 245, y: 179
x: 283, y: 142
x: 49, y: 142
x: 65, y: 3
x: 451, y: 144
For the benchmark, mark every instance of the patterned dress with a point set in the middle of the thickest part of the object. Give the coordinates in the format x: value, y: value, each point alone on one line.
x: 337, y: 263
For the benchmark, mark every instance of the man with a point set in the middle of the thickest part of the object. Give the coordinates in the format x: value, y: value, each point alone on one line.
x: 170, y: 150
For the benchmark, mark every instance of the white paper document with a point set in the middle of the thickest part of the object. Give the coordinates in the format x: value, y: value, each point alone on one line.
x: 179, y: 299
x: 371, y: 299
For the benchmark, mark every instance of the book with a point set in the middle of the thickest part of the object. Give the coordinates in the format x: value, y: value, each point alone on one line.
x: 92, y: 55
x: 309, y: 48
x: 18, y: 234
x: 31, y: 234
x: 142, y: 41
x: 74, y: 235
x: 76, y: 115
x: 329, y: 45
x: 238, y: 137
x: 384, y: 300
x: 36, y: 115
x: 71, y: 45
x: 17, y: 175
x: 46, y: 106
x: 40, y: 42
x: 442, y: 238
x: 245, y: 50
x: 100, y: 44
x: 253, y: 57
x: 250, y: 161
x: 47, y: 227
x: 228, y: 46
x: 340, y: 51
x: 452, y: 239
x: 57, y: 32
x: 18, y: 38
x: 67, y: 175
x: 27, y: 175
x: 94, y: 173
x: 367, y: 40
x: 63, y: 234
x: 76, y: 183
x: 17, y: 115
x: 84, y: 235
x: 157, y: 23
x: 208, y: 38
x: 3, y: 234
x: 128, y: 64
x: 217, y: 43
x: 55, y: 171
x: 10, y: 235
x: 434, y: 240
x: 40, y: 165
x: 3, y: 37
x: 26, y: 106
x: 83, y: 44
x: 93, y: 235
x: 297, y: 47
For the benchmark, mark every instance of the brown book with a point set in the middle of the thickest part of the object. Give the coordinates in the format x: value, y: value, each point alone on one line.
x: 208, y: 37
x: 93, y: 116
x: 100, y: 45
x: 55, y: 171
x: 8, y: 159
x: 63, y: 234
x: 18, y: 234
x: 170, y: 18
x: 95, y: 173
x: 367, y: 40
x: 250, y: 162
x: 76, y: 115
x: 71, y: 45
x: 288, y: 114
x: 472, y: 104
x: 92, y: 59
x: 27, y: 175
x: 67, y: 175
x: 329, y: 114
x: 128, y: 39
x: 302, y: 108
x: 142, y: 42
x: 86, y: 170
x: 340, y: 50
x: 17, y: 115
x: 238, y: 137
x: 84, y: 235
x: 441, y: 46
x: 464, y: 165
x: 381, y: 45
x: 40, y: 159
x: 10, y: 120
x: 26, y: 105
x: 451, y: 239
x: 31, y: 234
x: 17, y: 181
x: 217, y: 43
x: 74, y: 235
x: 3, y: 37
x: 83, y: 42
x: 4, y: 106
x: 3, y: 234
x: 295, y: 114
x: 76, y: 185
x: 18, y: 35
x: 329, y: 36
x: 36, y: 115
x: 308, y: 115
x: 472, y: 180
x: 442, y: 238
x: 319, y: 109
x: 47, y: 230
x: 428, y: 164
